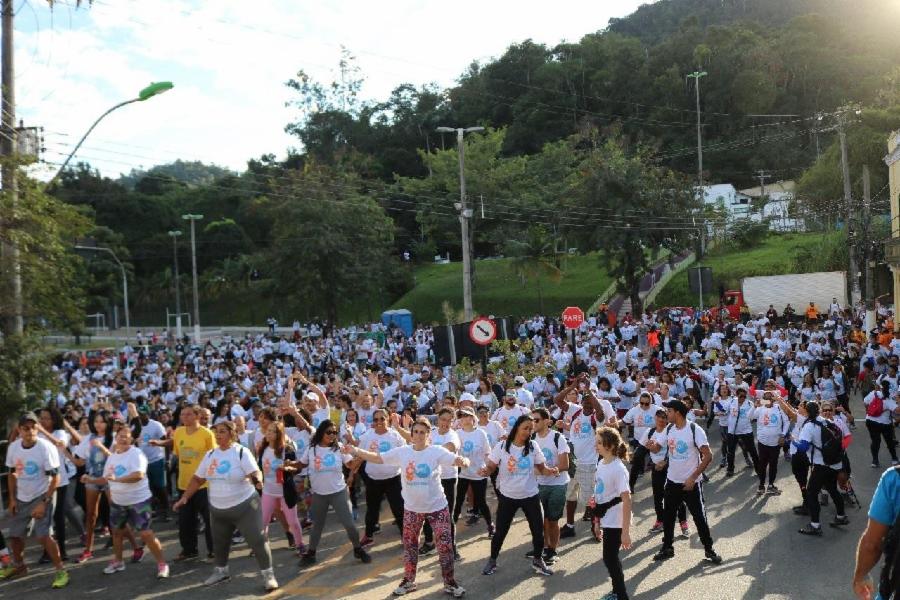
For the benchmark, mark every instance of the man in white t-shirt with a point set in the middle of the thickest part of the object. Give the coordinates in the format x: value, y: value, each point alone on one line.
x: 156, y: 460
x: 33, y: 478
x: 382, y: 481
x: 689, y: 455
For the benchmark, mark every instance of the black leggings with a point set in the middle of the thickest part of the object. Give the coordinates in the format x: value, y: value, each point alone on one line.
x: 59, y: 519
x: 449, y: 486
x: 768, y: 461
x: 746, y: 442
x: 822, y: 477
x: 612, y: 541
x: 506, y: 510
x: 479, y: 494
x: 638, y: 463
x: 658, y: 479
x: 376, y: 490
x: 878, y: 431
x: 800, y: 469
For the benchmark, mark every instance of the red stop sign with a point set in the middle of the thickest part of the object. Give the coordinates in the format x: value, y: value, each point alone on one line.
x: 573, y: 317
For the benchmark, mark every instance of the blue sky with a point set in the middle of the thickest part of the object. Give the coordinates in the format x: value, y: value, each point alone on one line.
x: 229, y: 60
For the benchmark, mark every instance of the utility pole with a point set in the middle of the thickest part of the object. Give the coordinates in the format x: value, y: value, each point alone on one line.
x: 465, y: 214
x: 174, y: 234
x: 762, y: 176
x: 15, y: 324
x: 867, y: 249
x: 696, y: 75
x: 848, y: 206
x: 193, y: 219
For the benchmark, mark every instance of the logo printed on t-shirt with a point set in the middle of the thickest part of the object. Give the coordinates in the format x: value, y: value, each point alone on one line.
x: 548, y: 456
x: 598, y: 489
x: 423, y: 471
x: 328, y: 460
x: 384, y: 446
x: 681, y: 447
x: 468, y: 446
x: 119, y: 471
x: 648, y: 420
x: 224, y: 467
x: 31, y: 468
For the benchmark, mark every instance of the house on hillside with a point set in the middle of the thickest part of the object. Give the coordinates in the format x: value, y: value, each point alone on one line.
x: 728, y: 197
x: 779, y: 196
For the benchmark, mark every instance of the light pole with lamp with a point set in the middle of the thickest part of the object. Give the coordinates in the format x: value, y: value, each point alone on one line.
x: 192, y: 219
x: 124, y: 280
x: 174, y: 234
x: 464, y: 215
x: 154, y: 89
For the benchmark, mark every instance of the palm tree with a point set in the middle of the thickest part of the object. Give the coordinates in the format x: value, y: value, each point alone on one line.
x: 535, y: 257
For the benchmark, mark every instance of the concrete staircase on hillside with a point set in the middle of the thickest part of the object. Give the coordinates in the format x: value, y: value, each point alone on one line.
x: 651, y: 283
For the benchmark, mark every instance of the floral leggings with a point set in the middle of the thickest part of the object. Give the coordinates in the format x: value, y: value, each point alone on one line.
x: 412, y: 526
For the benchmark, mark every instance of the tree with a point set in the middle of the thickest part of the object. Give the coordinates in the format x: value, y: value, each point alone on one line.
x: 535, y: 257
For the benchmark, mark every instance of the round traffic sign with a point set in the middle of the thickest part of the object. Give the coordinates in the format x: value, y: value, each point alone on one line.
x: 482, y: 331
x: 572, y: 317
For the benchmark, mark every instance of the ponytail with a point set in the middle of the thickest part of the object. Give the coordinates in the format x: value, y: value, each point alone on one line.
x: 622, y: 451
x: 611, y: 438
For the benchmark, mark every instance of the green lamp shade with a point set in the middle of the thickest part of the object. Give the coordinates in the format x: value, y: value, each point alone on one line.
x: 154, y: 89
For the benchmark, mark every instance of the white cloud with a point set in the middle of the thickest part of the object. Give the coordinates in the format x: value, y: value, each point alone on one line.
x: 229, y: 60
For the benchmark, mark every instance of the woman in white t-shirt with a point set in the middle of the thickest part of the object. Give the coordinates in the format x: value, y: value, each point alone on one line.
x: 325, y: 462
x: 519, y: 457
x: 474, y: 445
x: 275, y: 455
x: 130, y: 504
x: 612, y: 505
x: 423, y: 500
x: 233, y: 478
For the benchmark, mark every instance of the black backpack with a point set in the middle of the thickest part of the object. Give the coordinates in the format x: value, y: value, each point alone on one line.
x: 890, y: 573
x: 832, y: 451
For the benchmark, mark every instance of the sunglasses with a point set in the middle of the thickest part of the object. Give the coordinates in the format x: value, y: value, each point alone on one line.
x: 377, y: 419
x: 331, y: 432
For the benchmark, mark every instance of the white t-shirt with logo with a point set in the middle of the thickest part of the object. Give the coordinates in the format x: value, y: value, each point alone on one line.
x: 610, y: 480
x: 381, y: 443
x: 325, y: 468
x: 153, y: 430
x: 473, y: 445
x: 584, y: 442
x: 270, y: 465
x: 516, y: 477
x: 660, y: 438
x: 507, y: 417
x: 122, y: 464
x: 771, y: 424
x: 227, y: 472
x: 684, y: 454
x: 421, y: 476
x: 31, y: 466
x: 439, y: 439
x: 551, y: 454
x: 643, y: 419
x: 494, y: 432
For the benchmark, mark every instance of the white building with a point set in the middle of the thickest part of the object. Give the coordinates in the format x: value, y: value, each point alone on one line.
x: 780, y: 195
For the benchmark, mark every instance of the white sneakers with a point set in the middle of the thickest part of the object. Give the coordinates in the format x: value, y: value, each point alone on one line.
x: 219, y: 574
x: 269, y: 581
x: 114, y: 567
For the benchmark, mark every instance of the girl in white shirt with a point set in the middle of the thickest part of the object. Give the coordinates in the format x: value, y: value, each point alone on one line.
x: 233, y: 502
x: 424, y: 500
x: 275, y: 457
x: 126, y: 473
x: 612, y: 505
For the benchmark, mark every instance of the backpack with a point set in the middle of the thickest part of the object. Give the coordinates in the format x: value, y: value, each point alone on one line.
x: 875, y: 407
x: 889, y: 583
x: 703, y: 476
x: 832, y: 450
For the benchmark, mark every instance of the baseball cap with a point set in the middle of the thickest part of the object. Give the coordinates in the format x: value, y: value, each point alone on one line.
x: 465, y: 412
x: 466, y: 397
x: 677, y: 405
x: 519, y: 380
x: 28, y: 416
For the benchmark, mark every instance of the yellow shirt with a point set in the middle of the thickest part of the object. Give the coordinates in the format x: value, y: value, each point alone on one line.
x: 190, y: 450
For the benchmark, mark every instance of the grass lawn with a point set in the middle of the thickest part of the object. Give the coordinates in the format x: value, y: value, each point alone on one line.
x: 775, y: 256
x: 499, y: 292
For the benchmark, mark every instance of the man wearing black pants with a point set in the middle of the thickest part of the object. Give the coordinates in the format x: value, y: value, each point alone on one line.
x: 381, y: 480
x: 196, y: 506
x: 689, y: 455
x: 881, y: 425
x: 376, y: 490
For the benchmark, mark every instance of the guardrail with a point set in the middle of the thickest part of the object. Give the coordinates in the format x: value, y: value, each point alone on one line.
x: 667, y: 277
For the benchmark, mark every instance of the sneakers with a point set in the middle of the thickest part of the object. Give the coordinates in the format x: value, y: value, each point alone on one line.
x: 840, y: 520
x: 549, y: 556
x: 306, y: 523
x: 490, y: 567
x: 540, y: 567
x: 530, y: 554
x: 664, y: 554
x: 454, y: 589
x: 308, y: 559
x: 84, y: 557
x: 115, y: 566
x: 456, y: 555
x: 138, y: 555
x: 426, y: 548
x: 760, y: 490
x: 268, y: 576
x: 610, y: 596
x: 567, y: 531
x: 473, y: 520
x: 729, y: 473
x: 12, y: 572
x: 405, y: 587
x: 162, y: 571
x: 219, y: 575
x: 366, y: 541
x: 60, y: 580
x: 685, y: 530
x: 811, y: 530
x: 362, y: 555
x: 712, y: 557
x: 800, y: 510
x: 187, y: 556
x: 237, y: 538
x: 875, y: 465
x: 657, y: 528
x: 773, y: 491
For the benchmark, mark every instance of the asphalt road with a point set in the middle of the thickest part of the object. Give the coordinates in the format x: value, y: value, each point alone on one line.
x: 764, y: 556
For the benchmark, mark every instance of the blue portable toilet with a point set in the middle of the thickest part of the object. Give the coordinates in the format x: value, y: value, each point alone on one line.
x: 401, y: 318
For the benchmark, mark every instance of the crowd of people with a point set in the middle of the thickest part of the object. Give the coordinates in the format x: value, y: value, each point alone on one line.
x: 236, y: 434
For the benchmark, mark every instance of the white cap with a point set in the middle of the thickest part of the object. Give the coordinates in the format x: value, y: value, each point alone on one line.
x: 519, y: 380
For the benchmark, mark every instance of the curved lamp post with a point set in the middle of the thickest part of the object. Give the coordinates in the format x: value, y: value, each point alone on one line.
x: 154, y: 89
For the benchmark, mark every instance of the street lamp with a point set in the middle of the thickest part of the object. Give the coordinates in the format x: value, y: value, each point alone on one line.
x: 124, y: 280
x: 696, y: 75
x: 174, y: 234
x: 464, y: 215
x: 192, y: 219
x: 154, y: 89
